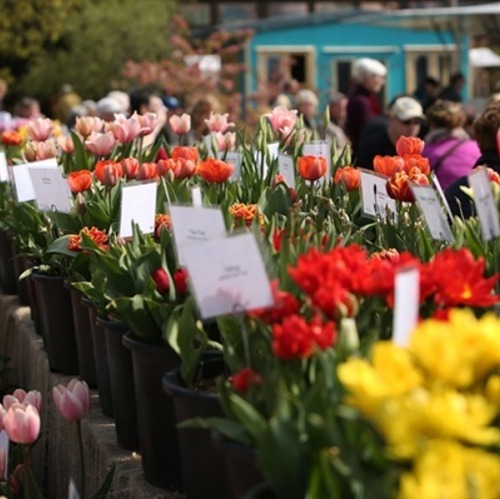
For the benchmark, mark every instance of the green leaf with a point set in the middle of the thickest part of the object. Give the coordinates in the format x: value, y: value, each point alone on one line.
x: 81, y: 161
x: 106, y: 485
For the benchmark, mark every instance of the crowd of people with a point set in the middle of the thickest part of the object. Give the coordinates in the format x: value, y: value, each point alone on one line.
x: 455, y: 140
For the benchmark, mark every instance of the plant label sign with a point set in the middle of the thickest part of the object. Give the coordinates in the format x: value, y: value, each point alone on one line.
x: 286, y: 168
x: 196, y: 196
x: 262, y: 160
x: 22, y: 178
x: 439, y: 189
x: 485, y: 204
x: 138, y: 206
x: 228, y: 276
x: 406, y: 304
x: 376, y: 201
x: 4, y: 169
x: 195, y: 225
x: 52, y: 192
x: 428, y: 202
x: 320, y: 148
x: 234, y: 158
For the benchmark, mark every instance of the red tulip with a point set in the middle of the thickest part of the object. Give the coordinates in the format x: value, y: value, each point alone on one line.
x: 160, y: 277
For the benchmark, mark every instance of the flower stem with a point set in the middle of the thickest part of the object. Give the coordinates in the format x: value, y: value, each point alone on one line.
x: 82, y: 459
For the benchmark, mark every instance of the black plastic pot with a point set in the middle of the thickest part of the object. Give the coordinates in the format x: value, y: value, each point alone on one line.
x: 202, y: 466
x: 155, y: 412
x: 101, y: 359
x: 8, y: 278
x: 32, y: 298
x: 56, y: 319
x: 121, y: 376
x: 19, y: 268
x: 242, y: 473
x: 84, y: 346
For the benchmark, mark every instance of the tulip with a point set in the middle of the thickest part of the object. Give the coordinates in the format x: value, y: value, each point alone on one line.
x: 349, y: 176
x: 12, y: 138
x: 147, y: 171
x: 22, y: 423
x: 225, y: 141
x: 244, y: 379
x: 125, y: 129
x: 312, y: 167
x: 281, y: 117
x: 214, y: 170
x: 187, y: 168
x: 168, y: 165
x: 66, y: 144
x: 185, y: 153
x: 130, y: 167
x: 160, y: 277
x: 180, y: 281
x: 80, y: 181
x: 86, y: 125
x: 148, y: 122
x: 33, y: 397
x: 73, y: 401
x: 39, y: 129
x: 180, y: 124
x: 108, y: 172
x: 100, y: 144
x: 218, y: 122
x: 388, y: 165
x: 413, y: 161
x: 409, y: 145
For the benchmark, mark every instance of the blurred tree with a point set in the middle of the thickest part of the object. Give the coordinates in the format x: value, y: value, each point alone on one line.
x: 97, y: 42
x: 28, y: 28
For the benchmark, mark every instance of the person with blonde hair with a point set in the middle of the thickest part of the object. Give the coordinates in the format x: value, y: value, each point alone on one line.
x: 450, y: 149
x: 306, y: 102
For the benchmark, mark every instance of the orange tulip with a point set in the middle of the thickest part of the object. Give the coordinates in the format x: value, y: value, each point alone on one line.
x: 312, y: 167
x: 413, y: 161
x: 79, y: 181
x: 388, y: 165
x: 130, y: 167
x: 349, y: 176
x: 214, y: 170
x: 98, y: 236
x: 409, y: 145
x: 398, y: 186
x: 185, y: 153
x: 108, y: 172
x: 12, y: 138
x: 146, y: 171
x: 244, y: 212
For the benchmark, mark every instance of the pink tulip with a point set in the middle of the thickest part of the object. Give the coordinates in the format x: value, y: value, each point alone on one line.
x: 66, y: 144
x: 125, y: 129
x: 225, y: 141
x: 218, y: 122
x: 45, y: 150
x: 33, y: 397
x: 148, y: 122
x: 85, y: 125
x: 22, y: 423
x: 73, y: 401
x: 281, y: 117
x: 100, y: 144
x: 39, y: 129
x: 180, y: 124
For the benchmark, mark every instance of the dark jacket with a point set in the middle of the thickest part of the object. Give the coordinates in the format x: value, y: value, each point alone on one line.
x: 359, y: 112
x: 461, y: 204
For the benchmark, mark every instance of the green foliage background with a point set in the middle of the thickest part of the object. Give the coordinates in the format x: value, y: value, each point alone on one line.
x: 47, y: 43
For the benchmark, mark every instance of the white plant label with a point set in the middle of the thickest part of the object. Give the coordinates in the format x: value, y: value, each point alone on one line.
x: 138, y: 207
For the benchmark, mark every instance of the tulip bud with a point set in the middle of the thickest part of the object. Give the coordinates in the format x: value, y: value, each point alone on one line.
x: 160, y: 277
x: 348, y: 335
x: 80, y: 204
x: 73, y: 401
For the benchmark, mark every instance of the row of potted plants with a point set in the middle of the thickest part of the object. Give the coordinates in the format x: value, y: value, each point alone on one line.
x: 288, y: 390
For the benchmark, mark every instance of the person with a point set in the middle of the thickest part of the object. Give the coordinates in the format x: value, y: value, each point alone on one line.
x: 485, y: 132
x: 287, y: 96
x: 26, y: 109
x: 306, y: 102
x: 449, y: 148
x: 453, y: 91
x: 107, y: 107
x: 172, y: 106
x: 404, y: 118
x: 199, y: 113
x: 337, y: 108
x: 66, y: 100
x: 369, y: 75
x: 427, y: 94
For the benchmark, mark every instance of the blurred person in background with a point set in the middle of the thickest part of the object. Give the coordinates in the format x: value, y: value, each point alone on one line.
x: 369, y: 76
x: 453, y: 91
x: 450, y: 149
x: 306, y: 102
x: 337, y: 108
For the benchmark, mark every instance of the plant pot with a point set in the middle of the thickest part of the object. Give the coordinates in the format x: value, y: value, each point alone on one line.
x: 242, y: 473
x: 8, y: 278
x: 202, y: 466
x: 32, y: 298
x: 19, y: 267
x: 121, y: 377
x: 84, y: 346
x: 56, y: 319
x: 101, y: 359
x: 155, y: 412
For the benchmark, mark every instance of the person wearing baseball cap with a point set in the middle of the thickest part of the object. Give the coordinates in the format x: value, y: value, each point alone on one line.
x: 404, y: 118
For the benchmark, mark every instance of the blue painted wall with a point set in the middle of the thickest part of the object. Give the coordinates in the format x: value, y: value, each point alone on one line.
x: 350, y: 35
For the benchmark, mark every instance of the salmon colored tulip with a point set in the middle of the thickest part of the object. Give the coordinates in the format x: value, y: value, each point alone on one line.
x: 185, y: 153
x: 180, y: 124
x: 22, y: 423
x: 65, y: 143
x: 39, y: 129
x: 349, y: 176
x: 86, y: 125
x: 147, y: 171
x: 218, y: 122
x: 108, y: 172
x: 164, y: 166
x: 409, y: 145
x: 214, y: 170
x: 72, y: 401
x: 37, y: 151
x: 312, y: 167
x: 130, y: 167
x: 100, y: 144
x: 80, y: 181
x: 388, y: 165
x: 225, y: 141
